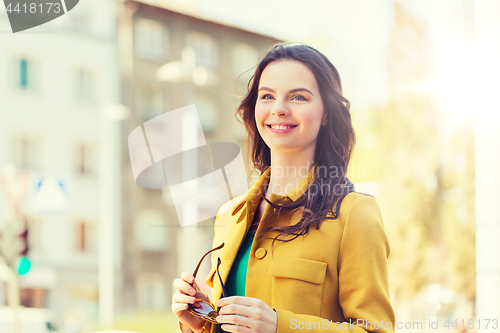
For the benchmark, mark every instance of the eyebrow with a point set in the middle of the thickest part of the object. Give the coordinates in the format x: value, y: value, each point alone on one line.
x: 290, y: 92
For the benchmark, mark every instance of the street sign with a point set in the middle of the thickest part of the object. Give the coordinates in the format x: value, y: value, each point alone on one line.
x: 50, y: 196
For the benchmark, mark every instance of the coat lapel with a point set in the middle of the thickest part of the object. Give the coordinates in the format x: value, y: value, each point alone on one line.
x: 240, y: 219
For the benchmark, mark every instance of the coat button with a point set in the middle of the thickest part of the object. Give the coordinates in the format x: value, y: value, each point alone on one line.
x: 260, y: 253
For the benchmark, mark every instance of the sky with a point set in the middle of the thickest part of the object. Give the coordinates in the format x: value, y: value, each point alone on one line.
x: 346, y: 31
x: 354, y: 35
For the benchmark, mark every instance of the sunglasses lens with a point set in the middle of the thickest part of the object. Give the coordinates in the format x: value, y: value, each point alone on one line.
x: 201, y: 308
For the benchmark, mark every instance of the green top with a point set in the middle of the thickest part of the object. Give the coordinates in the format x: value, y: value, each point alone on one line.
x: 235, y: 283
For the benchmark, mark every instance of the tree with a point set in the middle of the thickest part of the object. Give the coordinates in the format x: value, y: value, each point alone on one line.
x: 426, y: 202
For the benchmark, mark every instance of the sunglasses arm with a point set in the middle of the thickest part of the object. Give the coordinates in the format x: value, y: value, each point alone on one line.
x: 220, y: 279
x: 201, y: 260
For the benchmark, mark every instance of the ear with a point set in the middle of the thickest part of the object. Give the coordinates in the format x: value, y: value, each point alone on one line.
x: 323, y: 122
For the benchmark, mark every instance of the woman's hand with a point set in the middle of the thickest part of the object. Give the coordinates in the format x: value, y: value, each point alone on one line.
x: 251, y: 313
x: 185, y: 295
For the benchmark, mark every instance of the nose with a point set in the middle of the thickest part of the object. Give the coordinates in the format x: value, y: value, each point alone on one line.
x: 279, y: 109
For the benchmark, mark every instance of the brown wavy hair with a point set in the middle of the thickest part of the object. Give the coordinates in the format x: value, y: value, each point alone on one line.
x: 334, y: 146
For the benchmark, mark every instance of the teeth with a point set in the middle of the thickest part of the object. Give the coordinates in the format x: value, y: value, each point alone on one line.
x: 280, y: 127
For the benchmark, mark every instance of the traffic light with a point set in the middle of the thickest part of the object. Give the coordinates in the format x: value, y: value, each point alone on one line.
x: 14, y: 245
x: 24, y: 245
x: 23, y: 264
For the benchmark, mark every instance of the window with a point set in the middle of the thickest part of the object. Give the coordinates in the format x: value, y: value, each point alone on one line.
x: 205, y: 47
x: 81, y: 17
x: 26, y: 74
x: 150, y: 291
x: 23, y: 74
x: 245, y: 57
x: 149, y: 102
x: 149, y: 36
x: 84, y: 91
x: 207, y: 112
x: 85, y: 159
x: 150, y: 231
x: 82, y: 236
x: 25, y: 152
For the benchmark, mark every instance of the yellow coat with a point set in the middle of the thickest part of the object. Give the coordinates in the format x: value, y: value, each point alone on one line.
x: 332, y: 275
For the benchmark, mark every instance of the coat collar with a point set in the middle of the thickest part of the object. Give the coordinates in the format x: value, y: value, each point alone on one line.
x: 252, y: 196
x: 238, y: 230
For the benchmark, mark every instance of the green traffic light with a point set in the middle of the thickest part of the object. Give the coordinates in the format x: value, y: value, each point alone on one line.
x: 23, y: 266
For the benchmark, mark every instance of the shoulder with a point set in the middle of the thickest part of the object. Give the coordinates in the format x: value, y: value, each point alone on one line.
x: 363, y: 226
x: 360, y: 209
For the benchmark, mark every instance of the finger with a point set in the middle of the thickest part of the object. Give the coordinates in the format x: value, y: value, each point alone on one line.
x: 235, y: 319
x: 183, y: 286
x: 181, y: 298
x: 236, y: 328
x: 197, y: 305
x: 178, y: 308
x: 237, y: 309
x: 246, y: 301
x: 188, y: 277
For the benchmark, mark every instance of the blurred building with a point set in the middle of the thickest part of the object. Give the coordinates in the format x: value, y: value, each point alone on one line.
x: 54, y: 81
x: 203, y: 61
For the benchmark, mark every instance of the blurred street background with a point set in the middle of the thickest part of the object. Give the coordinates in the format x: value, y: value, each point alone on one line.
x: 91, y: 250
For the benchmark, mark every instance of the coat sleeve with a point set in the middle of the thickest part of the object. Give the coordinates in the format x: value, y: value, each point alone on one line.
x: 363, y: 278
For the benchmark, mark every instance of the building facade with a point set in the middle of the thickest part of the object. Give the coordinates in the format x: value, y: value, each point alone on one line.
x: 55, y: 80
x: 170, y: 60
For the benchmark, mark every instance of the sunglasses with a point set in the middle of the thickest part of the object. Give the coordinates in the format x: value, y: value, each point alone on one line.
x: 201, y: 308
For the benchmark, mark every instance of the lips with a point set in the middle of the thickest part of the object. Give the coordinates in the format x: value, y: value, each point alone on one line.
x: 282, y: 130
x: 282, y: 125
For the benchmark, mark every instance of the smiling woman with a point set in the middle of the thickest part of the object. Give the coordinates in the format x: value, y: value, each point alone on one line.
x: 301, y: 136
x: 289, y: 102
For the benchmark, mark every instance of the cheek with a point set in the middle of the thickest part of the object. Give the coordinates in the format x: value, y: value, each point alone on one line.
x: 312, y: 122
x: 312, y: 119
x: 260, y: 115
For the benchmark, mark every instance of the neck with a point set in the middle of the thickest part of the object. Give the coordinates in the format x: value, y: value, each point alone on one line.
x: 288, y: 170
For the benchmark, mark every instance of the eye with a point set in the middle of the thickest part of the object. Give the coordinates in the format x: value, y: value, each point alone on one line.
x: 265, y: 96
x: 301, y: 98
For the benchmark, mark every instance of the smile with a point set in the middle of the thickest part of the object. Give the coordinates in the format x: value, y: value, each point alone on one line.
x: 279, y: 129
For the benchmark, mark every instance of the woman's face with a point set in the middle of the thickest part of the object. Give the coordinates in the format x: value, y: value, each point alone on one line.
x: 289, y: 95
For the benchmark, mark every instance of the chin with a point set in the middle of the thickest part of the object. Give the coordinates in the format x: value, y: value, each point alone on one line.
x: 283, y: 148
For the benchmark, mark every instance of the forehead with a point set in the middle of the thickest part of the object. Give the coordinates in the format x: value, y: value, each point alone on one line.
x: 287, y: 74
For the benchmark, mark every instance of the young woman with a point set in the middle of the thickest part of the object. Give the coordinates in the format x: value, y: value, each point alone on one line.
x: 303, y: 250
